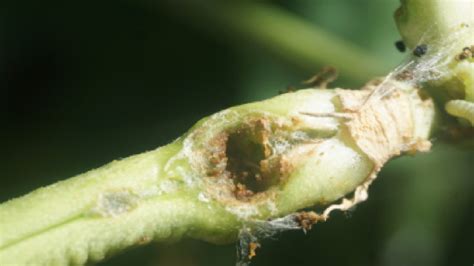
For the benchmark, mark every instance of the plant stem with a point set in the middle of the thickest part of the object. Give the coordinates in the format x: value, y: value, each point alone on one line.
x: 124, y: 203
x: 204, y: 186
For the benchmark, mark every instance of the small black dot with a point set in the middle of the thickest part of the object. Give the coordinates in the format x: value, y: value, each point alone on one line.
x: 400, y: 46
x: 420, y: 50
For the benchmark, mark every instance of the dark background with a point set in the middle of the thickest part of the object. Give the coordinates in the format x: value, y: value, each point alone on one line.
x: 86, y: 82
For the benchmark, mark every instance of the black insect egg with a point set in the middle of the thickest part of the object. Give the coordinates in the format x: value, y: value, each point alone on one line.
x: 400, y: 46
x: 420, y: 50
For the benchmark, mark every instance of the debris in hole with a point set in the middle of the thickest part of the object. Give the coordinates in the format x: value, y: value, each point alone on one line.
x: 250, y: 160
x: 400, y: 46
x: 245, y: 149
x: 242, y: 193
x: 246, y: 161
x: 217, y: 157
x: 420, y: 50
x: 321, y: 80
x: 467, y: 52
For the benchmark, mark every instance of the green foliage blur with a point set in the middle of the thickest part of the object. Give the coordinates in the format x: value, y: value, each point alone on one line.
x: 86, y: 82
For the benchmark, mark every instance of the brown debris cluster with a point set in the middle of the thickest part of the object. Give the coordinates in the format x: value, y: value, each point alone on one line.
x: 306, y: 220
x: 467, y: 52
x: 252, y: 249
x: 245, y: 156
x: 242, y: 193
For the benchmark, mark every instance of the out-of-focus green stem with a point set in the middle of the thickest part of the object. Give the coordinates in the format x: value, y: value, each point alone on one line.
x: 282, y: 33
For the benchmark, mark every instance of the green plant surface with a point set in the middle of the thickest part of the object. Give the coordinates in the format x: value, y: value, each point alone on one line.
x: 208, y: 184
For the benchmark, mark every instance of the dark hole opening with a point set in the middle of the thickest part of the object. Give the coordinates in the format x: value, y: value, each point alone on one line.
x: 244, y: 153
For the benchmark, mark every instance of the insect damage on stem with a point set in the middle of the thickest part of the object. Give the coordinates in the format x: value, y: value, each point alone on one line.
x: 396, y: 123
x: 251, y: 158
x: 240, y: 173
x: 400, y: 45
x: 260, y: 165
